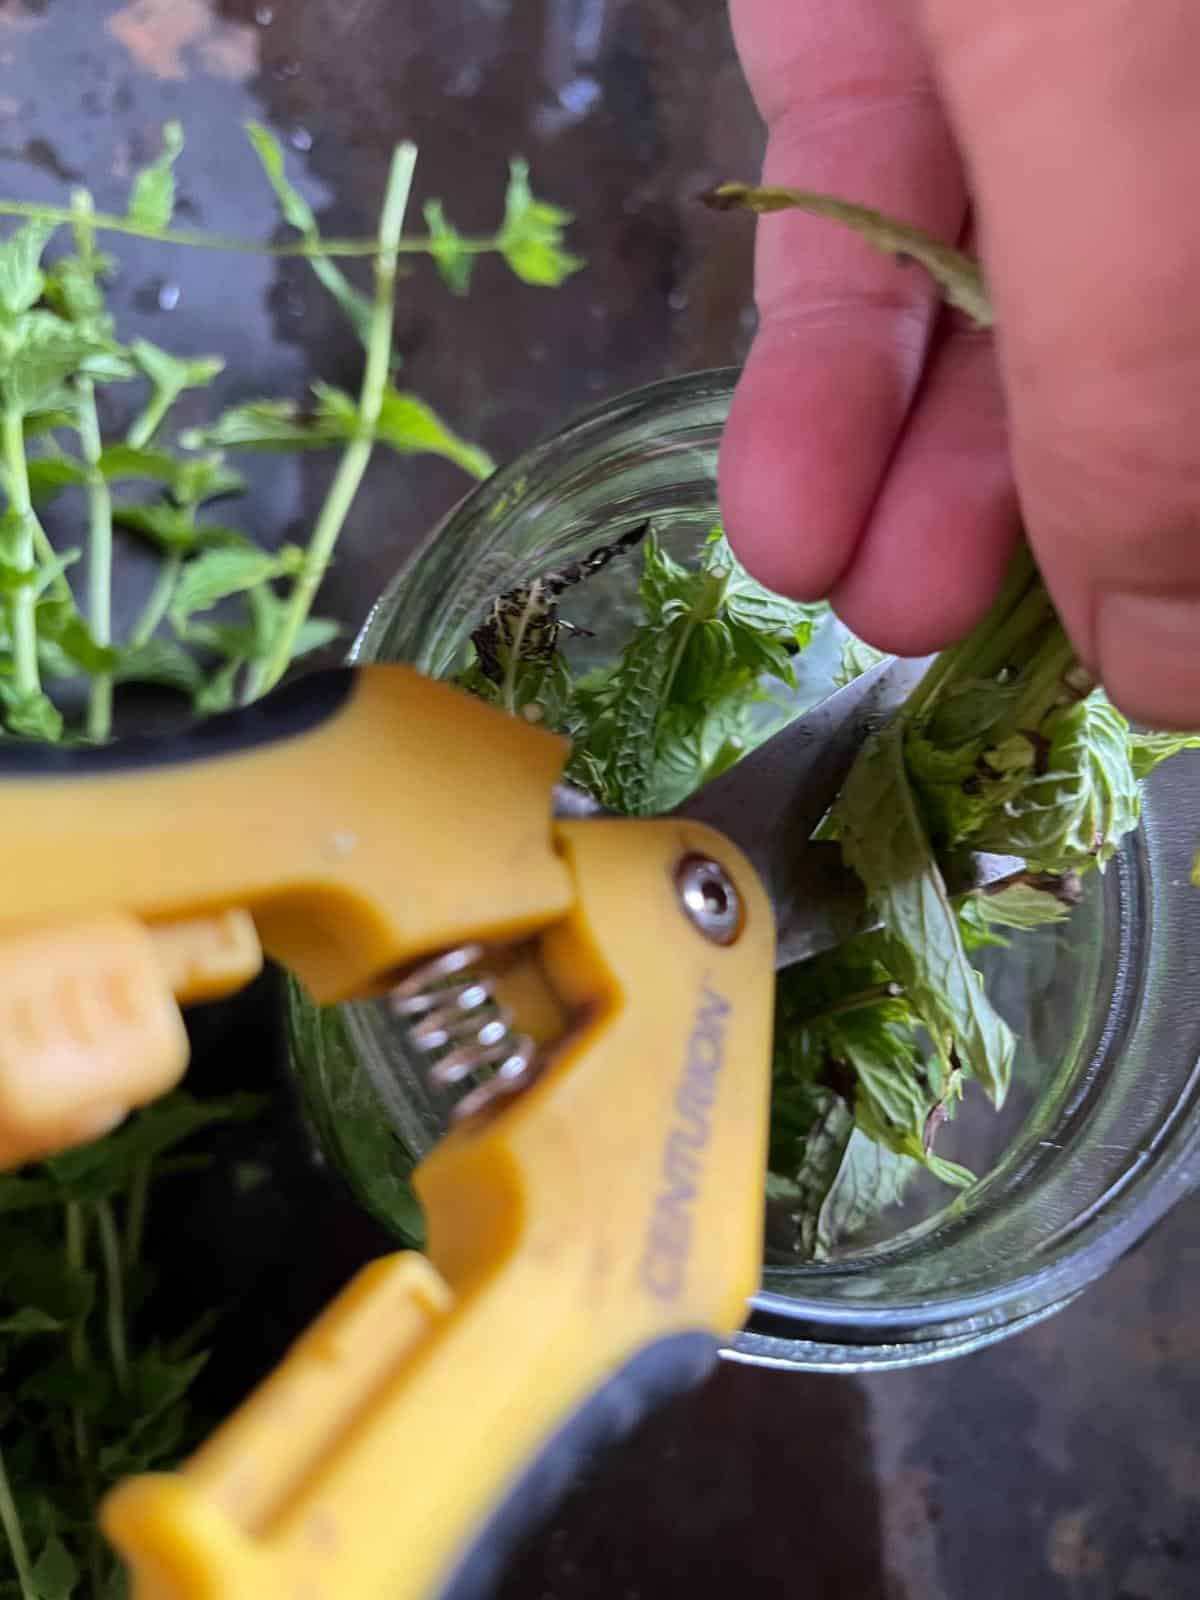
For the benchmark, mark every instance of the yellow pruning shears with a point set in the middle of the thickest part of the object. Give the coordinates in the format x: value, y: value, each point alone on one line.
x: 602, y: 988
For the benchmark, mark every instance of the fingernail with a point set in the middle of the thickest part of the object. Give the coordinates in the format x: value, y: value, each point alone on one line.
x: 1148, y: 653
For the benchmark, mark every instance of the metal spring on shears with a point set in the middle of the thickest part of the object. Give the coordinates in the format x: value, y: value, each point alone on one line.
x: 453, y: 1017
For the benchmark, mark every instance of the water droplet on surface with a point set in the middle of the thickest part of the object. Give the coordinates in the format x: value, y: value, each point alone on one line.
x: 300, y: 139
x: 579, y: 96
x: 289, y: 69
x: 466, y: 81
x: 598, y: 311
x: 537, y: 351
x: 678, y: 299
x: 264, y: 16
x: 168, y: 297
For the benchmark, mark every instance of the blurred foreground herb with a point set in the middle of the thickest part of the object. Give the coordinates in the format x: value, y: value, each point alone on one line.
x: 94, y: 1387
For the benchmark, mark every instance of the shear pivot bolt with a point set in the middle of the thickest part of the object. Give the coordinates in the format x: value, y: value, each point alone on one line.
x: 709, y: 898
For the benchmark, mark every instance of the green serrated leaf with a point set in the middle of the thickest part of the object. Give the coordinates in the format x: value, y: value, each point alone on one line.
x: 531, y: 234
x: 21, y: 277
x: 870, y: 1180
x: 37, y: 351
x: 152, y: 197
x: 1074, y: 810
x: 217, y: 574
x: 409, y: 426
x: 884, y: 841
x: 956, y: 274
x: 449, y: 249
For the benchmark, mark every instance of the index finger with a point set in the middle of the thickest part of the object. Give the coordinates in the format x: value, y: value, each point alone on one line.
x: 852, y: 110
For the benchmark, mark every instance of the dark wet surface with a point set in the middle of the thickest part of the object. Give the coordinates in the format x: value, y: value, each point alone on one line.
x: 1065, y: 1464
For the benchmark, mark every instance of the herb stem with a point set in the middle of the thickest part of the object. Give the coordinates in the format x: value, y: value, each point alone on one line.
x: 196, y: 238
x: 860, y: 1001
x: 24, y: 630
x: 11, y: 1521
x: 358, y: 452
x: 78, y: 1340
x: 158, y: 599
x: 135, y: 1211
x: 100, y: 551
x: 110, y: 1252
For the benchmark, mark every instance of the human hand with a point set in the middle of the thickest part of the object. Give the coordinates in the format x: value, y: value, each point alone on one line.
x: 867, y: 455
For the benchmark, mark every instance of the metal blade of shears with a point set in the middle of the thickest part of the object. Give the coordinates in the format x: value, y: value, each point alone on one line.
x: 770, y: 802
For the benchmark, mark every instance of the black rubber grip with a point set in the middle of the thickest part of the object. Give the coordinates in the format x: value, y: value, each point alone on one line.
x: 297, y: 708
x: 655, y: 1375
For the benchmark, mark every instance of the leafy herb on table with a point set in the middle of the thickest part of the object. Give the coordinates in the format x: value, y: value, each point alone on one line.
x: 93, y: 1388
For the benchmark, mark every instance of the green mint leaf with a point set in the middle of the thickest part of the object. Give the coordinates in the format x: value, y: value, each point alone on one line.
x: 120, y: 463
x: 37, y: 351
x: 205, y: 478
x: 21, y: 279
x: 296, y: 210
x: 160, y: 661
x: 269, y: 425
x: 169, y: 376
x: 871, y: 1179
x: 695, y: 743
x: 50, y: 475
x: 409, y: 426
x: 31, y: 716
x: 107, y: 366
x: 217, y: 574
x: 884, y: 841
x: 755, y: 609
x: 1026, y: 905
x: 857, y: 658
x: 1074, y: 810
x: 152, y: 197
x: 531, y: 235
x: 173, y: 374
x: 172, y: 527
x: 812, y: 1156
x: 34, y: 1276
x: 30, y: 1320
x: 448, y: 248
x: 1148, y: 750
x: 219, y: 691
x: 56, y: 1573
x: 956, y: 275
x: 60, y: 623
x: 642, y: 687
x: 98, y: 1171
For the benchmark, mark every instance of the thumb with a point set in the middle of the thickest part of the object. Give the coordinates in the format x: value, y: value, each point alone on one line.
x: 1079, y: 121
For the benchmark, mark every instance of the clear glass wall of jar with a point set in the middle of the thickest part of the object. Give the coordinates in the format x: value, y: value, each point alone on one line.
x: 1106, y: 1136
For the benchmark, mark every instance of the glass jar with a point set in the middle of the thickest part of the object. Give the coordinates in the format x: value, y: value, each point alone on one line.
x: 1105, y: 1137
